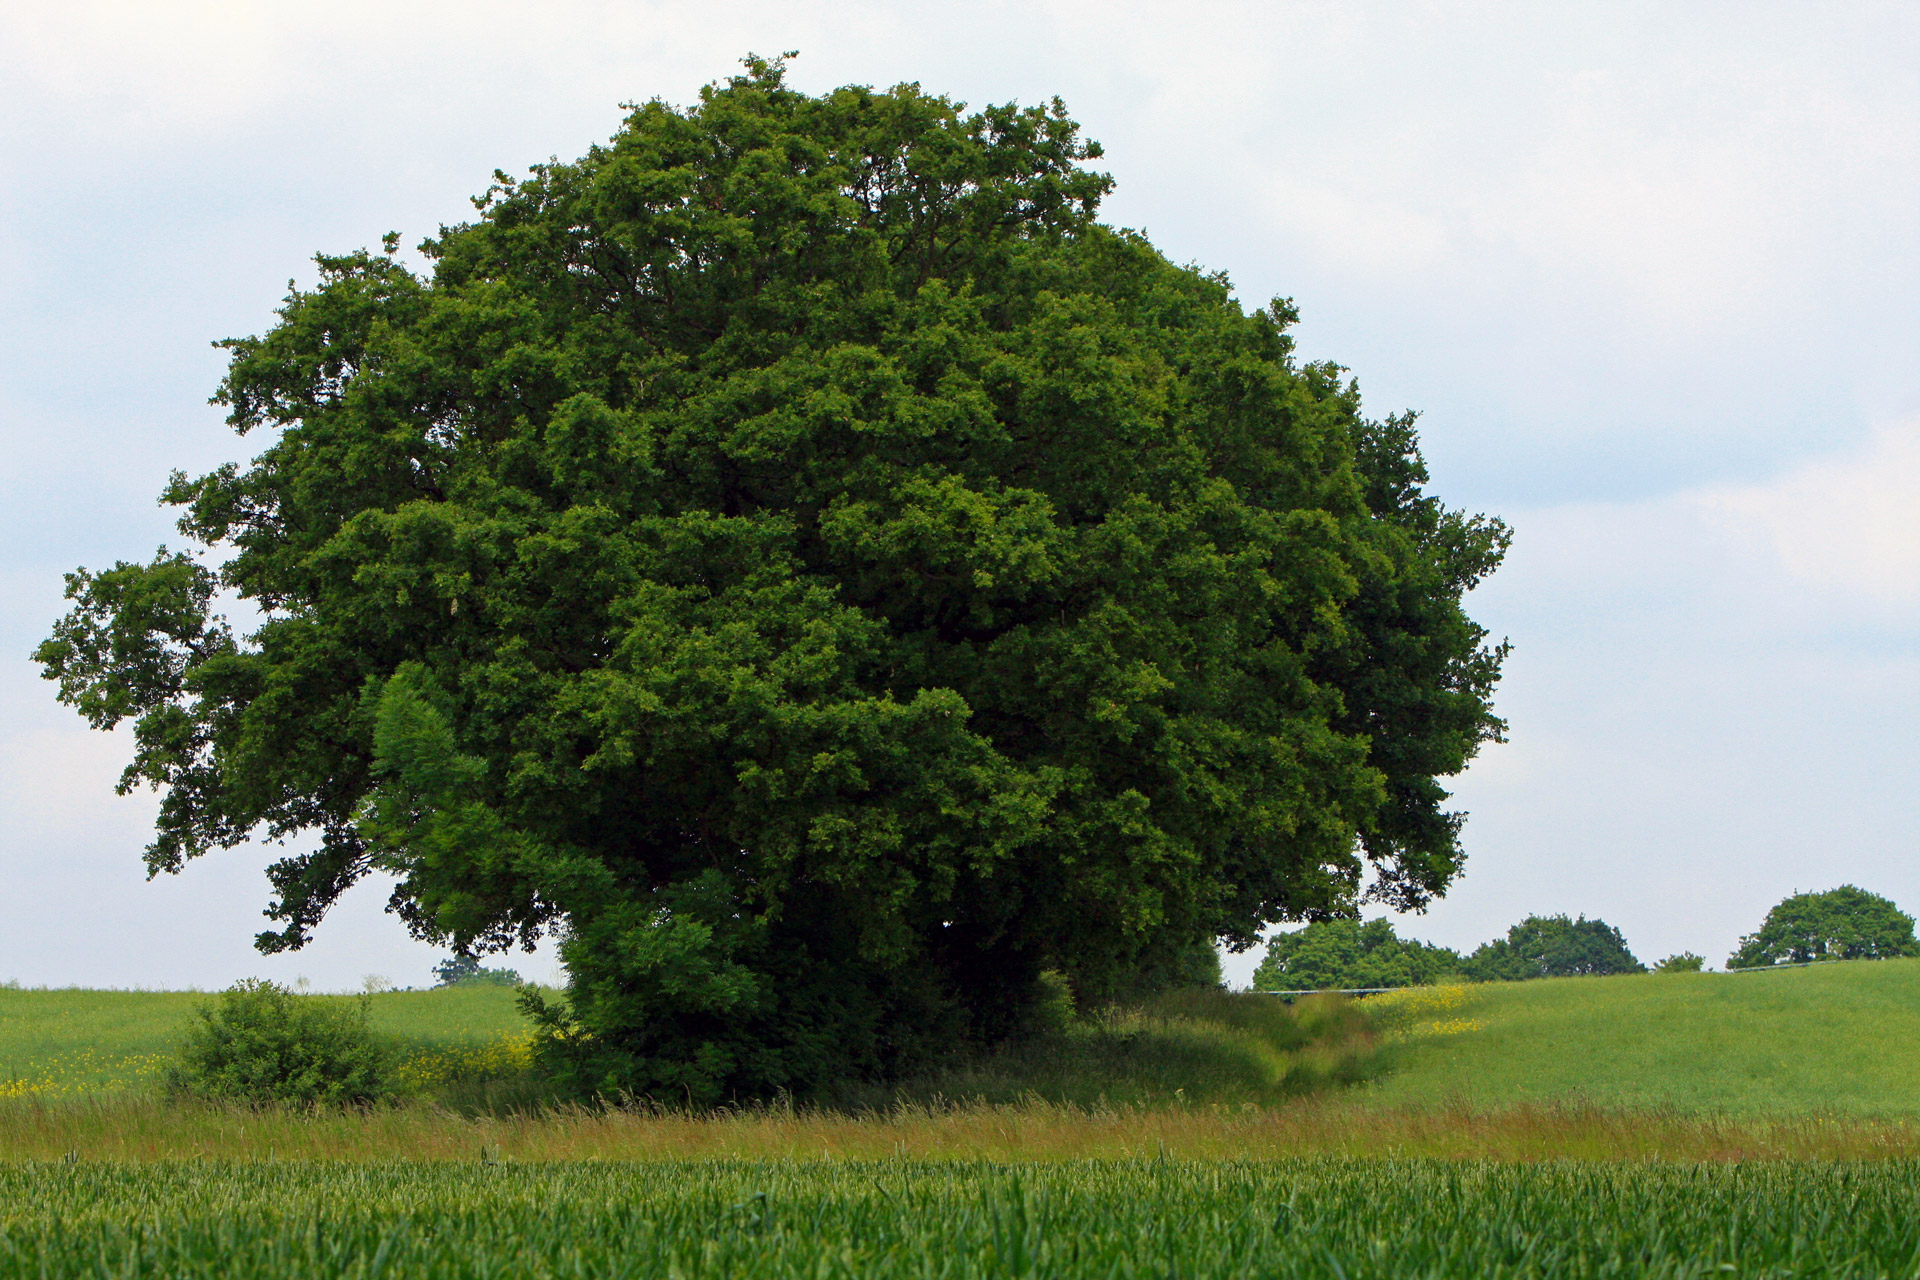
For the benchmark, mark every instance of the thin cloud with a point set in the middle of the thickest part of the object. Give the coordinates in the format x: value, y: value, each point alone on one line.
x: 1847, y: 525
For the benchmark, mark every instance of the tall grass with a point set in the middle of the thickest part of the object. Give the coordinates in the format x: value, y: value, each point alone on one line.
x: 1152, y: 1217
x: 139, y: 1128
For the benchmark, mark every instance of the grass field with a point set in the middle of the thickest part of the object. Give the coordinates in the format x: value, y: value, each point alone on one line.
x: 1833, y: 1038
x: 65, y: 1042
x: 1327, y: 1217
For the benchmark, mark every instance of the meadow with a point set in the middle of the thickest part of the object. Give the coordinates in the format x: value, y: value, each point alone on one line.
x: 72, y: 1042
x: 1832, y: 1038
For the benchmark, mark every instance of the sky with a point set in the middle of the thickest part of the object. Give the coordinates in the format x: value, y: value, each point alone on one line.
x: 1648, y: 272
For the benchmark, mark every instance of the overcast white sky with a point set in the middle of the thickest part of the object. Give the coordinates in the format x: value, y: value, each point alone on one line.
x: 1649, y: 271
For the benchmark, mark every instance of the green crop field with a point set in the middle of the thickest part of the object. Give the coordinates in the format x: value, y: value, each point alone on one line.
x: 1836, y: 1038
x: 1324, y: 1217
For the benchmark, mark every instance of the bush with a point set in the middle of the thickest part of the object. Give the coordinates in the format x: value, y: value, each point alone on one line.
x: 1553, y: 947
x: 259, y: 1042
x: 1685, y: 962
x: 1847, y: 923
x: 1335, y: 954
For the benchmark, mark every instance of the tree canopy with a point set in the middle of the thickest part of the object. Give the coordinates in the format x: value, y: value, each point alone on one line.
x: 800, y: 555
x: 1337, y: 954
x: 1847, y: 923
x: 1346, y: 954
x: 1552, y: 947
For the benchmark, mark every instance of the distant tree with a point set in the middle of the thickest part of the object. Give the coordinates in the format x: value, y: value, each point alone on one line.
x: 1553, y: 947
x: 463, y: 970
x: 1685, y: 962
x: 1333, y: 954
x: 1847, y: 923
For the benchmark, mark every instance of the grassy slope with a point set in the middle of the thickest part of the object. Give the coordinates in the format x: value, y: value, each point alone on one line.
x: 1828, y: 1038
x: 81, y: 1037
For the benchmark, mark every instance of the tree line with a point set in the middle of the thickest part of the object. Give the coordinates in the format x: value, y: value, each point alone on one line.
x: 1846, y: 923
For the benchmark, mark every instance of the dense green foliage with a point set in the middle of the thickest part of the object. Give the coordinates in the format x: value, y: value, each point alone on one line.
x: 800, y: 554
x: 1683, y: 962
x: 1315, y: 1217
x: 1841, y: 924
x: 1552, y: 947
x: 259, y: 1042
x: 1337, y: 954
x: 1196, y: 965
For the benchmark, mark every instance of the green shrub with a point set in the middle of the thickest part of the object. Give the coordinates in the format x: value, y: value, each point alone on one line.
x: 259, y: 1042
x: 1685, y: 962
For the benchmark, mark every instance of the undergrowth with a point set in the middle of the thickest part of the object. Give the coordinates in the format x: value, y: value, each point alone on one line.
x: 1194, y: 1045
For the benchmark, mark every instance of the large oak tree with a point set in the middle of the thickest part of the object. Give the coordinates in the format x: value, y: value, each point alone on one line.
x: 803, y: 558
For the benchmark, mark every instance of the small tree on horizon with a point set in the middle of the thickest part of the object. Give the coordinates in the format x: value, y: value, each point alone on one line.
x: 461, y: 970
x: 1336, y: 954
x: 1553, y: 947
x: 1847, y: 923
